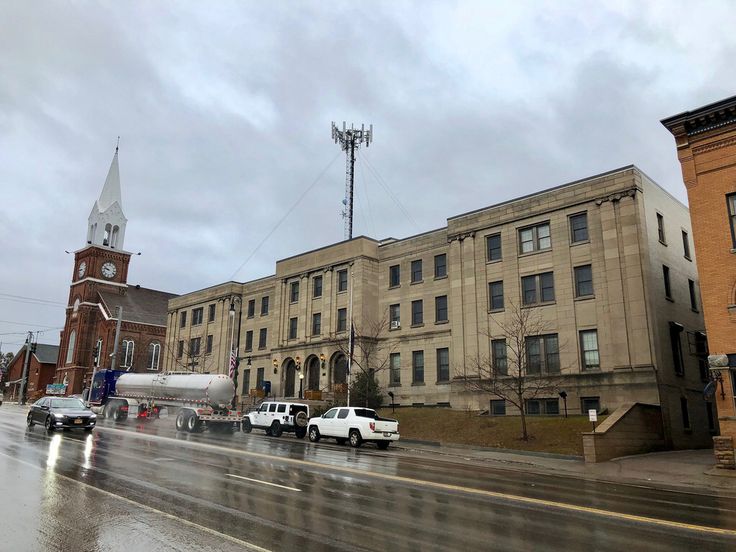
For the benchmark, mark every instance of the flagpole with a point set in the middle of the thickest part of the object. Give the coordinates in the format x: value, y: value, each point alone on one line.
x: 232, y: 339
x: 350, y: 339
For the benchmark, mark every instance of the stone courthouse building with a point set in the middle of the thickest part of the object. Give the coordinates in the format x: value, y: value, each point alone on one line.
x: 706, y: 148
x: 606, y: 262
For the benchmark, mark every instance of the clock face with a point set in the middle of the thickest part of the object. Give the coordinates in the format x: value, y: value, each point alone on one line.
x: 82, y: 269
x: 109, y: 269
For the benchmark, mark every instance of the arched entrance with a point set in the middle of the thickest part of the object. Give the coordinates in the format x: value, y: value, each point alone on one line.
x: 313, y: 373
x: 289, y: 377
x: 339, y: 369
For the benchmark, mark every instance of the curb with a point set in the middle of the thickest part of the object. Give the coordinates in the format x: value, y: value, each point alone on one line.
x: 458, y: 446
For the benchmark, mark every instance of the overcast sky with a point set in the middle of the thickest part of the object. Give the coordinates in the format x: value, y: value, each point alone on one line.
x: 224, y: 113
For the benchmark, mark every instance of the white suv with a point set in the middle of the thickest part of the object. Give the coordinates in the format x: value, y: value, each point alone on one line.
x: 277, y: 417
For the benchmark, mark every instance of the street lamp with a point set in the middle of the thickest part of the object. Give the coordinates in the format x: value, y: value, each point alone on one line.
x: 275, y: 366
x: 563, y: 394
x: 233, y: 361
x: 322, y: 363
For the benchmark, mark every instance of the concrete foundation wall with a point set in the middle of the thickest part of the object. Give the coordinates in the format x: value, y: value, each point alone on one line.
x: 633, y: 429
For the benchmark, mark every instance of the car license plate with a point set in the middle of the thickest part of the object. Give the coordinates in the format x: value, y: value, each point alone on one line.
x: 386, y: 434
x: 78, y: 421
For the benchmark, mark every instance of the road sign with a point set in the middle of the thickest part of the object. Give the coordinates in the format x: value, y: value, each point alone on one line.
x: 56, y: 389
x: 593, y: 415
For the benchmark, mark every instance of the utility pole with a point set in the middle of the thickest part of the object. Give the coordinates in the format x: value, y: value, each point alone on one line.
x: 119, y: 314
x: 26, y: 362
x: 350, y: 139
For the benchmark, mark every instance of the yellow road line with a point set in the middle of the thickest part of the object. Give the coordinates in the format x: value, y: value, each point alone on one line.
x: 140, y: 506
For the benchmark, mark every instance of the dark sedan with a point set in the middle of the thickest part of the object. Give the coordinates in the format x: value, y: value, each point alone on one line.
x: 61, y: 413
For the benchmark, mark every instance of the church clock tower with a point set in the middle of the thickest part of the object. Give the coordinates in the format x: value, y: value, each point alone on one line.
x: 100, y: 266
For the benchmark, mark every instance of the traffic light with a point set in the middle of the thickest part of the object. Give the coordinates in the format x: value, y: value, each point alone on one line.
x: 33, y: 347
x: 96, y: 355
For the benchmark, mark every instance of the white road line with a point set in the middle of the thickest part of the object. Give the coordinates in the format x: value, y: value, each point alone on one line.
x: 140, y: 506
x: 264, y: 482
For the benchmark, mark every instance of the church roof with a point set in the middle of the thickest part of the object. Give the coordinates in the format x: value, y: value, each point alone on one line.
x: 141, y: 305
x: 47, y: 354
x: 111, y: 190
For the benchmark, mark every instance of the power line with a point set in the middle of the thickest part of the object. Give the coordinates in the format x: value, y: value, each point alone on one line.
x: 286, y: 215
x: 46, y: 328
x: 33, y: 300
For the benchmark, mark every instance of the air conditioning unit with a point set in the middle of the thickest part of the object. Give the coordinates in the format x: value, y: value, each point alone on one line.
x: 395, y: 324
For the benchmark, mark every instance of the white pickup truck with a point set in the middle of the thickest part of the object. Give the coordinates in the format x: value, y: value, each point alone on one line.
x: 357, y: 425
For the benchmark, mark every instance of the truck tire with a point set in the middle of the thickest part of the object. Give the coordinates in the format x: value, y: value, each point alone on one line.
x: 300, y: 432
x: 355, y: 439
x: 193, y: 423
x: 181, y: 421
x: 276, y: 430
x: 247, y: 426
x: 383, y: 445
x: 118, y: 415
x: 314, y: 434
x: 301, y: 419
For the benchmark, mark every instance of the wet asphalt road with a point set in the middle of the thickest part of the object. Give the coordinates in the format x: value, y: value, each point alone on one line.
x: 143, y: 486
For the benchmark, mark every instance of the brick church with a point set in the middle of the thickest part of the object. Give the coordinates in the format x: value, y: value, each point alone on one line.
x: 99, y: 295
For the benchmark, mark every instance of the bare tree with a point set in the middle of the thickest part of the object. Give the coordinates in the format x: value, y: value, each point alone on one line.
x: 525, y: 366
x: 371, y: 350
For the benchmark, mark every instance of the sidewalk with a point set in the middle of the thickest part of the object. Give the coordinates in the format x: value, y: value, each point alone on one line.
x: 685, y: 471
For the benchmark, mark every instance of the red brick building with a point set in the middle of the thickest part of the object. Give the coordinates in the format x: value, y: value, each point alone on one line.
x: 41, y: 371
x: 99, y: 291
x: 706, y: 148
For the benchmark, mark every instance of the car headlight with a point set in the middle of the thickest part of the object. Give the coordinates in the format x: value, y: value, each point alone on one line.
x: 92, y: 416
x: 57, y: 415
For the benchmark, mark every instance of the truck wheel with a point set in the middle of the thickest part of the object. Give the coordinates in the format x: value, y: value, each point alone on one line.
x: 300, y: 432
x: 355, y: 439
x: 247, y: 426
x: 313, y: 434
x: 181, y: 421
x: 383, y: 445
x: 29, y: 420
x: 193, y: 423
x: 276, y: 430
x: 118, y: 415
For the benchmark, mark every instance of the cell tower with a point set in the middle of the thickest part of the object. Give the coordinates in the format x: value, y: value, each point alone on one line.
x: 350, y: 139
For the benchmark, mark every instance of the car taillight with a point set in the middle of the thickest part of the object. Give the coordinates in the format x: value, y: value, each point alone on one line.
x: 124, y: 408
x: 372, y: 426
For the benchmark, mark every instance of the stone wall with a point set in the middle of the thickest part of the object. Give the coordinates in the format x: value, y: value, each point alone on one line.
x: 633, y: 429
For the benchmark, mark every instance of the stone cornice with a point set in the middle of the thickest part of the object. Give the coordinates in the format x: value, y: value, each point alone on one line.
x: 703, y: 119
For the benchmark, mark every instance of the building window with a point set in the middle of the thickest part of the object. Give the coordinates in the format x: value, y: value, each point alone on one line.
x: 583, y: 281
x: 416, y: 271
x: 686, y: 245
x: 180, y: 349
x: 579, y: 228
x: 589, y: 350
x: 70, y: 346
x: 417, y: 312
x: 182, y: 319
x: 538, y: 407
x: 676, y: 345
x: 294, y: 295
x: 197, y: 316
x: 542, y: 354
x: 259, y: 378
x: 539, y: 288
x: 395, y: 369
x: 498, y: 407
x: 440, y: 266
x: 126, y: 353
x: 249, y: 340
x: 394, y: 276
x: 731, y: 201
x: 440, y: 309
x: 246, y: 381
x: 685, y: 413
x: 211, y: 313
x: 495, y: 294
x: 498, y: 357
x: 251, y: 308
x: 195, y: 346
x: 293, y: 327
x: 208, y: 346
x: 493, y: 247
x: 317, y: 286
x: 701, y: 351
x: 394, y: 316
x: 660, y: 229
x: 667, y: 285
x: 417, y: 367
x: 443, y: 364
x: 317, y: 323
x: 590, y: 403
x: 262, y: 335
x: 342, y: 320
x: 342, y: 280
x: 693, y: 296
x: 264, y: 305
x: 535, y: 238
x: 154, y: 355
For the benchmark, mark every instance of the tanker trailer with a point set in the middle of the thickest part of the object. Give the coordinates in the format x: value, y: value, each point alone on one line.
x: 202, y: 400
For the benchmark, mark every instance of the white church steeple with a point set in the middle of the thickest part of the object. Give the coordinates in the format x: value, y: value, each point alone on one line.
x: 106, y: 224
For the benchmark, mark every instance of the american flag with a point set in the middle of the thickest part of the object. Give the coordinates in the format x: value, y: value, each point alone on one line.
x: 233, y: 361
